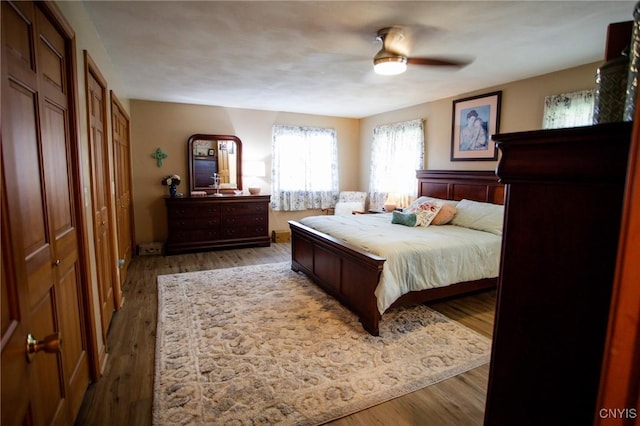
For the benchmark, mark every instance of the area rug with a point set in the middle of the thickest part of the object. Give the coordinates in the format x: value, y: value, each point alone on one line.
x: 262, y: 345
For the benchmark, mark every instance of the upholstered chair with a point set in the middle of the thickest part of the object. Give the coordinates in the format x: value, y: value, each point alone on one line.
x: 351, y: 202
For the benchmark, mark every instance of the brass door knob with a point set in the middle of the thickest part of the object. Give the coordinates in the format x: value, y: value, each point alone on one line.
x: 50, y: 344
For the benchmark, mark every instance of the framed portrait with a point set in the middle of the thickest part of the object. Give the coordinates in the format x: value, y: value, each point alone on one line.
x: 474, y: 121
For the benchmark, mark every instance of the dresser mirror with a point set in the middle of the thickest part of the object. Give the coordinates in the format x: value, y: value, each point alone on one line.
x: 215, y: 155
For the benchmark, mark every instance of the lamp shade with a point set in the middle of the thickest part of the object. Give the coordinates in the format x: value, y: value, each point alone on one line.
x: 255, y: 169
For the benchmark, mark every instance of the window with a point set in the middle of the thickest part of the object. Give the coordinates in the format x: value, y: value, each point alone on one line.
x: 397, y: 151
x: 305, y: 168
x: 568, y: 110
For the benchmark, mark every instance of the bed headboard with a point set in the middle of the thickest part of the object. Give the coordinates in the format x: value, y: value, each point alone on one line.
x: 456, y: 185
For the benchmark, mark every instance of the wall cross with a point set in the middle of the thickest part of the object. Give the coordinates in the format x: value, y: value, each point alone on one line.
x: 159, y: 155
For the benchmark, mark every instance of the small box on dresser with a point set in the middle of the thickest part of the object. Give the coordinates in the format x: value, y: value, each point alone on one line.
x: 216, y: 222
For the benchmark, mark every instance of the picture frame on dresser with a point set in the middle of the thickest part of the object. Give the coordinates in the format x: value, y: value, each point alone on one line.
x: 475, y: 119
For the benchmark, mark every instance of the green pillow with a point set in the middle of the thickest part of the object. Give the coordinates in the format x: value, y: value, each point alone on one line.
x: 406, y: 219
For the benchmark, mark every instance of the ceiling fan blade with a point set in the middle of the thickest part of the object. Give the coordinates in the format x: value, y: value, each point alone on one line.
x: 438, y: 62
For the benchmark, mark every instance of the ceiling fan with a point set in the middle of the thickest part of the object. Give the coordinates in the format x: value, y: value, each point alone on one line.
x: 394, y: 56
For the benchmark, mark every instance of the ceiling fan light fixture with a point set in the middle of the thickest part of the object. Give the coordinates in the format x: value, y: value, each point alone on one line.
x: 389, y: 64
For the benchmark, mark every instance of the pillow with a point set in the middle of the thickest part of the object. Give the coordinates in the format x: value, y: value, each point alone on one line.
x: 486, y: 217
x: 444, y: 216
x: 424, y: 199
x: 425, y: 211
x: 406, y: 219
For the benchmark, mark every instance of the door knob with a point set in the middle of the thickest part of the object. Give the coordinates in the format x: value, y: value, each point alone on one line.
x: 50, y: 344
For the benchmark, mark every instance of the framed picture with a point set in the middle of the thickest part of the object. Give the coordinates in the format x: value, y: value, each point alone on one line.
x: 474, y: 121
x: 212, y: 152
x: 203, y: 148
x: 227, y: 146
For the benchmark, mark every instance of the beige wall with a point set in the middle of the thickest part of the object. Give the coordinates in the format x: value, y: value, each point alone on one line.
x: 521, y: 110
x: 169, y: 125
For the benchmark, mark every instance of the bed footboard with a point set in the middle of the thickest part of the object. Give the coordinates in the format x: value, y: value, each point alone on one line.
x: 346, y: 272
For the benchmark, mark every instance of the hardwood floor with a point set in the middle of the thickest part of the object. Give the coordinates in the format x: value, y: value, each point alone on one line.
x: 124, y: 394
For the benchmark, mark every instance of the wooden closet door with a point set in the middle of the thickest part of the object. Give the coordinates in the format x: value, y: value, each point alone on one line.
x: 100, y: 184
x: 41, y: 271
x: 123, y: 192
x: 223, y: 165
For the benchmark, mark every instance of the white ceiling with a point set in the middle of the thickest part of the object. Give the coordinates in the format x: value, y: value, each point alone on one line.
x: 316, y: 56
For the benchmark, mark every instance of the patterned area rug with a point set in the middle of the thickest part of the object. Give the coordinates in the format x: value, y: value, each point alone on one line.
x: 263, y: 345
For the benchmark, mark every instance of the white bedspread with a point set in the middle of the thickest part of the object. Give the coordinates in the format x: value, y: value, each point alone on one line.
x: 417, y: 258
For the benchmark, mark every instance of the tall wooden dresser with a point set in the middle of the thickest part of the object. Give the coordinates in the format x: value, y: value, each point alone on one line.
x: 563, y: 207
x: 215, y: 222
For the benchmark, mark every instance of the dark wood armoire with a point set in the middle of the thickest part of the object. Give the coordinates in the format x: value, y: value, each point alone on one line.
x: 563, y: 209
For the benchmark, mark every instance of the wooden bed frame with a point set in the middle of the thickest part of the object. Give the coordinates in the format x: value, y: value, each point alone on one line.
x: 351, y: 274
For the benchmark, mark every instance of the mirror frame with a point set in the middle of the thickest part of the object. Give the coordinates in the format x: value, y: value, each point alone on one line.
x: 215, y: 138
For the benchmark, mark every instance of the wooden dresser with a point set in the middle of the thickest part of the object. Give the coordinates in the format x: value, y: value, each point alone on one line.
x: 215, y: 222
x: 563, y: 209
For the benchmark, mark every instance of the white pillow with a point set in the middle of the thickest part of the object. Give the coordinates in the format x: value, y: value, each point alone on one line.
x: 486, y: 217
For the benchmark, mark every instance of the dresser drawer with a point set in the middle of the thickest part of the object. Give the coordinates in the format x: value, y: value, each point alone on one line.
x: 244, y: 231
x: 204, y: 210
x: 184, y: 235
x: 194, y: 223
x: 244, y: 209
x: 244, y: 220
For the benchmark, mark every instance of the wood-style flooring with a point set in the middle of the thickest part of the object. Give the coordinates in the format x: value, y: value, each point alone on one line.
x: 124, y: 394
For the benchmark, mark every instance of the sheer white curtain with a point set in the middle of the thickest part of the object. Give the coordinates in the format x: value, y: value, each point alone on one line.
x: 397, y: 151
x: 304, y: 172
x: 568, y: 110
